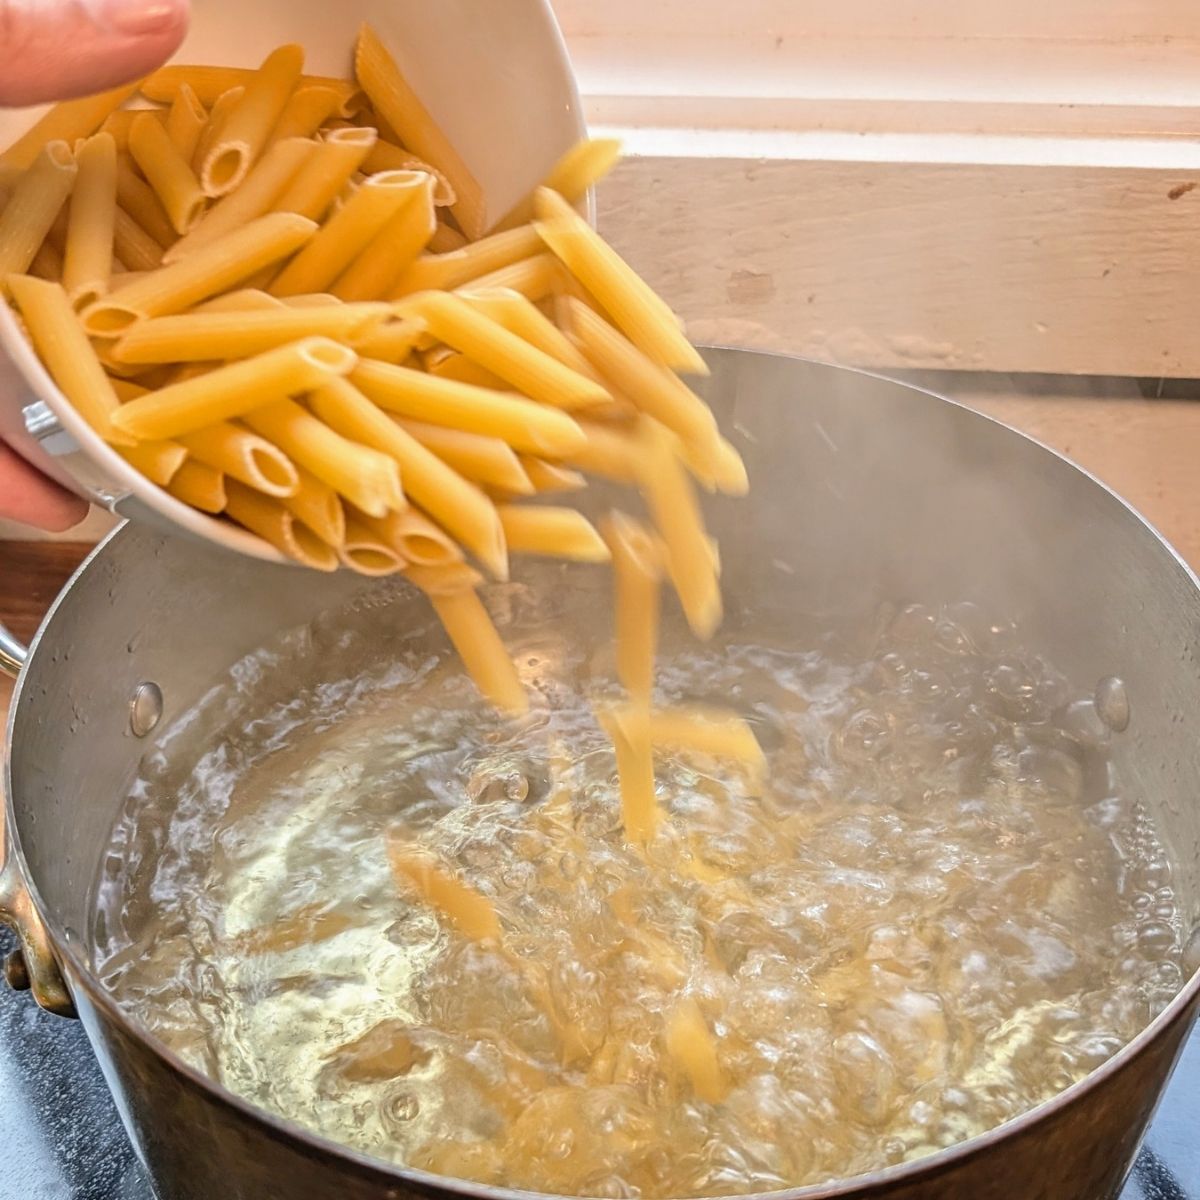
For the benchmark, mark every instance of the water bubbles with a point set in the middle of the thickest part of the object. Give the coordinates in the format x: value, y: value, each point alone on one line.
x: 1112, y: 703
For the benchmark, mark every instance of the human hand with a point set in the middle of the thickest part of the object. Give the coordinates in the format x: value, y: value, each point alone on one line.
x: 56, y: 50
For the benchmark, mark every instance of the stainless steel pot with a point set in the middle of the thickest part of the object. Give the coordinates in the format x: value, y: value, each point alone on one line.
x: 864, y: 490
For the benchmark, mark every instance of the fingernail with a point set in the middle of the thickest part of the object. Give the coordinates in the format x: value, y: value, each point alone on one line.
x: 137, y: 17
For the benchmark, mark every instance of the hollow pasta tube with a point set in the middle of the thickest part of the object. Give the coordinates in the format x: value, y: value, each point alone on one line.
x: 484, y: 257
x: 158, y: 461
x: 468, y: 911
x: 486, y: 460
x: 244, y: 456
x: 470, y: 630
x: 556, y: 532
x: 522, y: 317
x: 307, y: 109
x: 628, y: 730
x: 199, y: 485
x: 218, y: 116
x: 324, y: 173
x: 167, y: 172
x: 691, y: 1045
x: 138, y: 199
x: 186, y: 119
x: 317, y: 505
x: 133, y: 245
x: 91, y: 221
x: 65, y: 122
x: 710, y: 731
x: 581, y: 167
x: 278, y: 527
x: 637, y: 558
x: 36, y: 200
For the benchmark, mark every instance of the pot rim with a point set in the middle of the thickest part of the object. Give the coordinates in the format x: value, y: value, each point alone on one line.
x: 280, y: 1128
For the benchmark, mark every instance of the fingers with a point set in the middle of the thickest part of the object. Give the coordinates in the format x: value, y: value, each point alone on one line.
x: 26, y: 495
x: 58, y: 49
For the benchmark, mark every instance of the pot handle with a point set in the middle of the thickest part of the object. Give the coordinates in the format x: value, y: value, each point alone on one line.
x: 32, y: 965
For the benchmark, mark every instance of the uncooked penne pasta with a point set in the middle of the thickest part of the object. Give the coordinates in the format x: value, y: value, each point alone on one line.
x: 253, y: 197
x: 557, y: 532
x: 672, y: 503
x: 91, y: 221
x: 534, y: 278
x: 486, y: 460
x: 640, y: 314
x: 445, y: 238
x: 459, y: 267
x: 325, y: 172
x: 416, y: 539
x: 158, y: 461
x: 449, y: 364
x: 690, y: 1043
x: 521, y: 423
x: 137, y: 198
x: 218, y: 115
x: 583, y: 166
x: 470, y: 629
x: 608, y: 451
x: 714, y: 732
x: 244, y: 456
x: 210, y: 83
x: 375, y: 270
x: 718, y: 468
x: 391, y: 342
x: 450, y: 319
x: 239, y: 333
x: 307, y: 109
x: 234, y: 389
x: 36, y: 200
x: 367, y: 478
x: 651, y: 387
x: 66, y: 353
x: 215, y: 267
x: 185, y: 122
x: 444, y: 581
x: 551, y: 477
x: 400, y: 107
x: 65, y: 122
x: 637, y: 558
x: 118, y: 124
x: 628, y: 729
x: 167, y: 172
x: 245, y: 132
x: 278, y: 527
x: 458, y: 506
x: 387, y: 156
x: 133, y: 245
x: 471, y: 913
x: 365, y: 552
x: 522, y: 317
x: 199, y: 485
x: 317, y: 505
x: 347, y: 233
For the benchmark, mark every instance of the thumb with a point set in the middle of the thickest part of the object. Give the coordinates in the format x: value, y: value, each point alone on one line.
x: 58, y: 49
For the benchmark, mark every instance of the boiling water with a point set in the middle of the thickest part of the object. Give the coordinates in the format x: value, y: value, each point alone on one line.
x: 941, y: 911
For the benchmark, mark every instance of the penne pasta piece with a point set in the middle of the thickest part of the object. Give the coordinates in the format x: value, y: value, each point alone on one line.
x: 583, y: 166
x: 186, y: 120
x: 253, y: 198
x: 66, y: 353
x: 137, y: 198
x: 445, y: 238
x: 47, y: 264
x: 235, y: 389
x: 691, y: 1045
x: 224, y: 262
x: 391, y: 342
x: 210, y: 83
x: 369, y: 479
x: 628, y: 730
x: 316, y: 504
x: 652, y: 388
x: 91, y: 221
x: 199, y: 485
x: 449, y: 364
x: 219, y: 112
x: 534, y: 278
x: 133, y: 245
x: 278, y: 527
x: 471, y: 913
x: 366, y: 552
x: 486, y: 460
x: 637, y: 558
x: 377, y: 266
x: 636, y: 310
x: 325, y: 172
x: 519, y: 422
x: 416, y: 539
x: 609, y: 451
x: 307, y: 109
x: 245, y: 131
x: 239, y: 332
x: 387, y: 156
x: 718, y: 468
x: 522, y: 317
x: 557, y: 532
x: 118, y: 124
x: 158, y: 461
x: 470, y: 630
x: 452, y: 320
x: 36, y: 200
x: 672, y: 503
x: 449, y: 271
x: 551, y: 477
x: 458, y: 506
x: 347, y: 233
x: 65, y: 122
x: 444, y: 581
x: 400, y: 107
x: 167, y: 172
x: 244, y: 456
x: 714, y: 732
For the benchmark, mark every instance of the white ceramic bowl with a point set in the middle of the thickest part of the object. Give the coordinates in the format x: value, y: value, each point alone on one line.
x: 495, y: 75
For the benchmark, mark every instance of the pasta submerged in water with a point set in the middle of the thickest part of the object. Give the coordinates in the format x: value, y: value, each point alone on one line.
x: 284, y: 300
